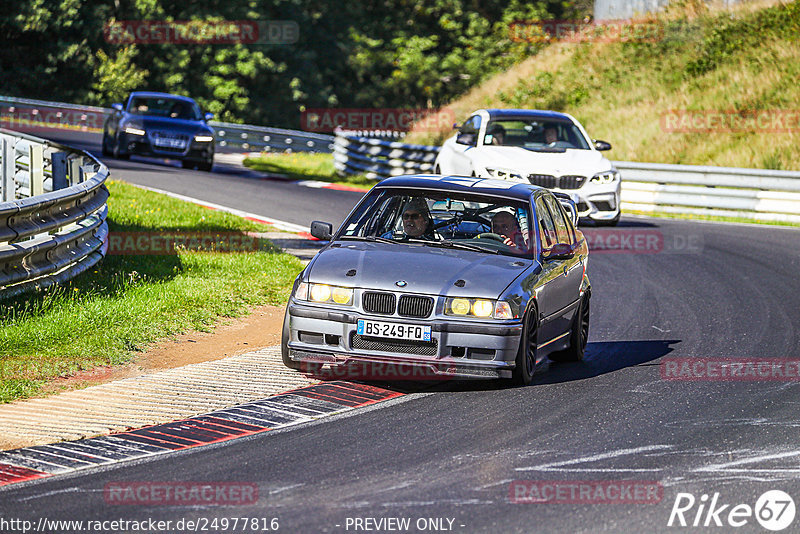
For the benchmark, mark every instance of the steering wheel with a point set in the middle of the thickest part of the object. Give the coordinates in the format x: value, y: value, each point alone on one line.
x: 490, y: 235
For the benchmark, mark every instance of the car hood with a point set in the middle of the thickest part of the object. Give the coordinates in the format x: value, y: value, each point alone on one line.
x: 170, y: 125
x: 426, y: 270
x: 571, y: 161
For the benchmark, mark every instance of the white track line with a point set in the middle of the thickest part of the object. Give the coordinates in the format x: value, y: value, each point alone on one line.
x: 281, y: 225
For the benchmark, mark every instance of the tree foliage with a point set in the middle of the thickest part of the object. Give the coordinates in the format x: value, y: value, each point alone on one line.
x: 380, y: 53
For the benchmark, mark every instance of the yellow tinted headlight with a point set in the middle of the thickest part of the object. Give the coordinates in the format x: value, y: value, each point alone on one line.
x: 459, y: 306
x: 320, y: 292
x: 342, y: 295
x: 482, y: 308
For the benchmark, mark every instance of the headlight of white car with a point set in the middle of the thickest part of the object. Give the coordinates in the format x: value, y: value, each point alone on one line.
x: 606, y: 177
x: 504, y: 174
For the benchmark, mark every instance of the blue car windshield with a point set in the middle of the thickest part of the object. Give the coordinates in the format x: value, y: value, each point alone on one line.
x: 164, y: 107
x: 448, y: 220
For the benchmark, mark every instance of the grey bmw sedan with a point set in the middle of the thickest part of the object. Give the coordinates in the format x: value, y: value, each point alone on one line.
x: 443, y: 277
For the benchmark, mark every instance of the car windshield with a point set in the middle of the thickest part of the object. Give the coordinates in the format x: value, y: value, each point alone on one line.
x: 446, y: 220
x: 535, y: 134
x: 164, y: 107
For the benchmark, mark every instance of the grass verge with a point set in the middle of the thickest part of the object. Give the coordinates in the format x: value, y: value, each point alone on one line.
x: 128, y: 301
x: 305, y: 166
x: 710, y: 218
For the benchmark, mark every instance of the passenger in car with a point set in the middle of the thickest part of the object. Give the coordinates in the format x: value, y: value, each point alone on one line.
x: 496, y: 135
x: 506, y: 226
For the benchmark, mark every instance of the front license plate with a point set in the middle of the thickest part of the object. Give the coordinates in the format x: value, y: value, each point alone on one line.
x: 170, y: 143
x: 393, y: 330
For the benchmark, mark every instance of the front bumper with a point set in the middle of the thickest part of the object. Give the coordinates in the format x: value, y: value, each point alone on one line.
x: 598, y: 202
x: 141, y: 145
x: 470, y: 349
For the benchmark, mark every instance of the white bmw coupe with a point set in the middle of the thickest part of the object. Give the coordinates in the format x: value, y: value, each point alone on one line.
x: 544, y: 148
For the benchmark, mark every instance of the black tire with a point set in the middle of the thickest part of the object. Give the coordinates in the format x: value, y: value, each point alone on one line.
x: 188, y: 164
x: 205, y: 166
x: 106, y: 152
x: 578, y: 336
x: 525, y: 365
x: 116, y: 152
x: 285, y: 335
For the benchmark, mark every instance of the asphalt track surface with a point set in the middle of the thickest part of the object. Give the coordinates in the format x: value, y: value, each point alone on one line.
x: 451, y: 450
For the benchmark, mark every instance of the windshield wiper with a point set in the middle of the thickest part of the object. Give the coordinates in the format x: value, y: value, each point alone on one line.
x: 463, y: 246
x: 557, y: 150
x: 370, y: 238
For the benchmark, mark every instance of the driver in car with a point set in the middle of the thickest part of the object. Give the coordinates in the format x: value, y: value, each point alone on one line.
x: 506, y: 226
x: 417, y: 221
x: 550, y: 135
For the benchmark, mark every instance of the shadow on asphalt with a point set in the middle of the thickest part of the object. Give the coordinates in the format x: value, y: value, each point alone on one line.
x: 601, y: 357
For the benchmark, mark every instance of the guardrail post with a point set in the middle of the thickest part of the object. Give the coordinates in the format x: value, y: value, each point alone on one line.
x: 8, y: 170
x: 59, y: 160
x: 74, y: 170
x: 36, y: 169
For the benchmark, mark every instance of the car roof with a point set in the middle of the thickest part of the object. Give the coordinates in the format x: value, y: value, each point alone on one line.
x: 153, y: 94
x: 465, y: 184
x: 527, y: 113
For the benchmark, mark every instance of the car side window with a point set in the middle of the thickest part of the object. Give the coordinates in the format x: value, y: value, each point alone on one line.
x: 564, y: 236
x: 573, y: 238
x: 547, y: 231
x: 468, y: 133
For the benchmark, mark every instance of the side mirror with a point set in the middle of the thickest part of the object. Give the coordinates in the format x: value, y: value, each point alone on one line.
x: 208, y: 116
x: 465, y: 139
x: 322, y: 230
x: 455, y: 126
x: 601, y: 145
x: 117, y: 106
x: 559, y: 251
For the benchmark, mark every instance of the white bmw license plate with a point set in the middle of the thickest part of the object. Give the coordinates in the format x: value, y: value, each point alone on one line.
x: 393, y: 330
x: 170, y: 143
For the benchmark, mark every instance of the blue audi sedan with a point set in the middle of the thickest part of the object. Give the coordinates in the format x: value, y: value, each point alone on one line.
x: 160, y: 125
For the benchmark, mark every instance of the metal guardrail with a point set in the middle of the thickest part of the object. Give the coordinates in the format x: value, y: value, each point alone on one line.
x: 704, y: 190
x: 651, y: 187
x: 52, y: 215
x: 26, y: 112
x: 261, y: 138
x: 378, y: 159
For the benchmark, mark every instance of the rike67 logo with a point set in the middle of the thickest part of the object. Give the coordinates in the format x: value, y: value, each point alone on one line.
x: 774, y: 510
